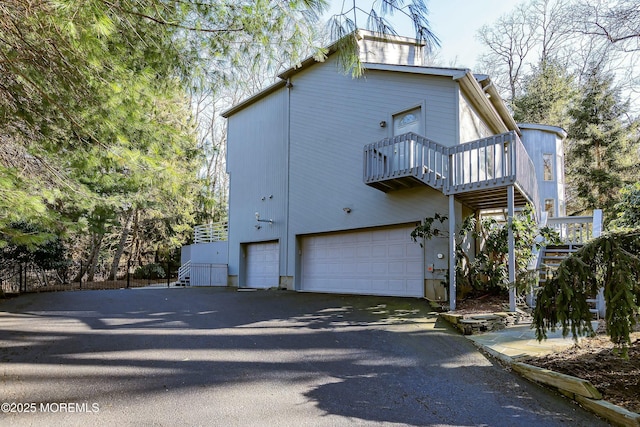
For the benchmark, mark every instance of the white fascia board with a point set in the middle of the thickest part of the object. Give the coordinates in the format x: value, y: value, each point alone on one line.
x: 478, y: 97
x: 547, y: 128
x: 454, y: 73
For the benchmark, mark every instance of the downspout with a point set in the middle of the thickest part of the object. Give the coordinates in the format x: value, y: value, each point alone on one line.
x: 287, y: 125
x: 452, y: 252
x: 512, y: 249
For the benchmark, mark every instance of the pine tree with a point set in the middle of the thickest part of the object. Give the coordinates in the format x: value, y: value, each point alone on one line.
x: 603, y: 154
x: 547, y: 96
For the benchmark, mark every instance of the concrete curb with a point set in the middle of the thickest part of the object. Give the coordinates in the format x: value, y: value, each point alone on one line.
x: 578, y: 389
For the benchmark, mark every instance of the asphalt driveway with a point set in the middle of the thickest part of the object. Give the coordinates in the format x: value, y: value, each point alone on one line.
x: 212, y: 356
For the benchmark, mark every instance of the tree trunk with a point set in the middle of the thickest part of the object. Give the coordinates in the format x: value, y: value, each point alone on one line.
x: 135, y: 243
x: 93, y: 263
x: 121, y: 244
x: 89, y: 267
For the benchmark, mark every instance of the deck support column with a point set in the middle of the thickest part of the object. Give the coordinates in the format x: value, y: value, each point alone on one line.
x: 452, y: 252
x: 512, y: 249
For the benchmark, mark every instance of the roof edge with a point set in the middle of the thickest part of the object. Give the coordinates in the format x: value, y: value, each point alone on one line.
x: 495, y: 111
x: 252, y: 99
x: 547, y: 128
x: 454, y: 73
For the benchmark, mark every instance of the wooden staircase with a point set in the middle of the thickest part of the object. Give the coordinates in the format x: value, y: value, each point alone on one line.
x: 550, y: 259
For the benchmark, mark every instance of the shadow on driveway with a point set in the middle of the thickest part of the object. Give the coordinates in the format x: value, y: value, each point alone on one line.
x: 215, y: 356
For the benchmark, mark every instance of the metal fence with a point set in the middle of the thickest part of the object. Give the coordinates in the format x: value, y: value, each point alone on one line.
x: 27, y: 278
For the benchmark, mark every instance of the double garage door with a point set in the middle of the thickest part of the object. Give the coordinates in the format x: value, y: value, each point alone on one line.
x: 379, y: 261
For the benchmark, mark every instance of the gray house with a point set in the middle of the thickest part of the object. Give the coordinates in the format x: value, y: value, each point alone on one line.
x: 330, y: 174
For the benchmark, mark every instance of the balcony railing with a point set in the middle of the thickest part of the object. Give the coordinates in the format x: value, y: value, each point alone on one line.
x: 487, y: 163
x: 405, y: 156
x: 208, y: 233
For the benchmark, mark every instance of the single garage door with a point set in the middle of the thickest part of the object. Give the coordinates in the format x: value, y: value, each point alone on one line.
x: 380, y: 261
x: 262, y: 265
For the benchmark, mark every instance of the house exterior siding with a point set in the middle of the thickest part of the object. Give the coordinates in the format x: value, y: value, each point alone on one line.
x: 257, y: 166
x: 541, y: 140
x: 472, y: 127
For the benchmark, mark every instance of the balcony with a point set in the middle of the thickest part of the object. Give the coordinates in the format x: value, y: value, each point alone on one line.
x: 477, y: 173
x: 405, y: 161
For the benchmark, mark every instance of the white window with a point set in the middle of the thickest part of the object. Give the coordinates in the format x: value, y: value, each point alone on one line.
x: 550, y: 207
x: 408, y: 121
x: 547, y: 164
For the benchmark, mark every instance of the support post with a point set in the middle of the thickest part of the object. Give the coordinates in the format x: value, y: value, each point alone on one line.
x: 512, y: 249
x: 452, y: 252
x: 601, y: 304
x: 169, y: 273
x: 597, y: 223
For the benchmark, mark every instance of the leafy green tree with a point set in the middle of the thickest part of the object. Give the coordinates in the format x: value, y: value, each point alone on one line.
x: 47, y: 253
x: 85, y: 85
x: 603, y: 155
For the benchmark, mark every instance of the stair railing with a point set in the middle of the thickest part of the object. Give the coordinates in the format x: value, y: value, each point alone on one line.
x: 184, y: 273
x: 578, y: 229
x: 535, y: 264
x: 574, y: 230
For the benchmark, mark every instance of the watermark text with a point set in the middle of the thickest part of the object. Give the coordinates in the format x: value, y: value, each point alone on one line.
x: 49, y: 407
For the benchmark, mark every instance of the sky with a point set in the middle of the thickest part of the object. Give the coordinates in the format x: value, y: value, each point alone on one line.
x: 455, y: 23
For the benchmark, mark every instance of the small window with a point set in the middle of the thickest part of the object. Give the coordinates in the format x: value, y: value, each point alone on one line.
x: 550, y: 207
x: 408, y: 119
x: 547, y: 163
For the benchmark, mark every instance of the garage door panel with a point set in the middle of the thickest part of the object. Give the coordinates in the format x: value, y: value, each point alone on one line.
x: 414, y: 268
x: 378, y: 268
x: 262, y: 265
x: 349, y: 252
x: 379, y: 252
x: 363, y: 251
x: 381, y: 261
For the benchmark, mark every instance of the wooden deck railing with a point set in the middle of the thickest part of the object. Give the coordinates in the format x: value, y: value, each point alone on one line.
x: 525, y: 172
x: 208, y: 233
x: 487, y: 163
x: 407, y: 155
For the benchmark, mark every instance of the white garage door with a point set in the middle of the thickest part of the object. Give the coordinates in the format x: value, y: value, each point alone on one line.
x: 262, y: 265
x: 382, y: 261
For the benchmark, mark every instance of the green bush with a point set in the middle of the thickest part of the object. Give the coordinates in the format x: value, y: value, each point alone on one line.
x: 149, y: 271
x: 488, y: 272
